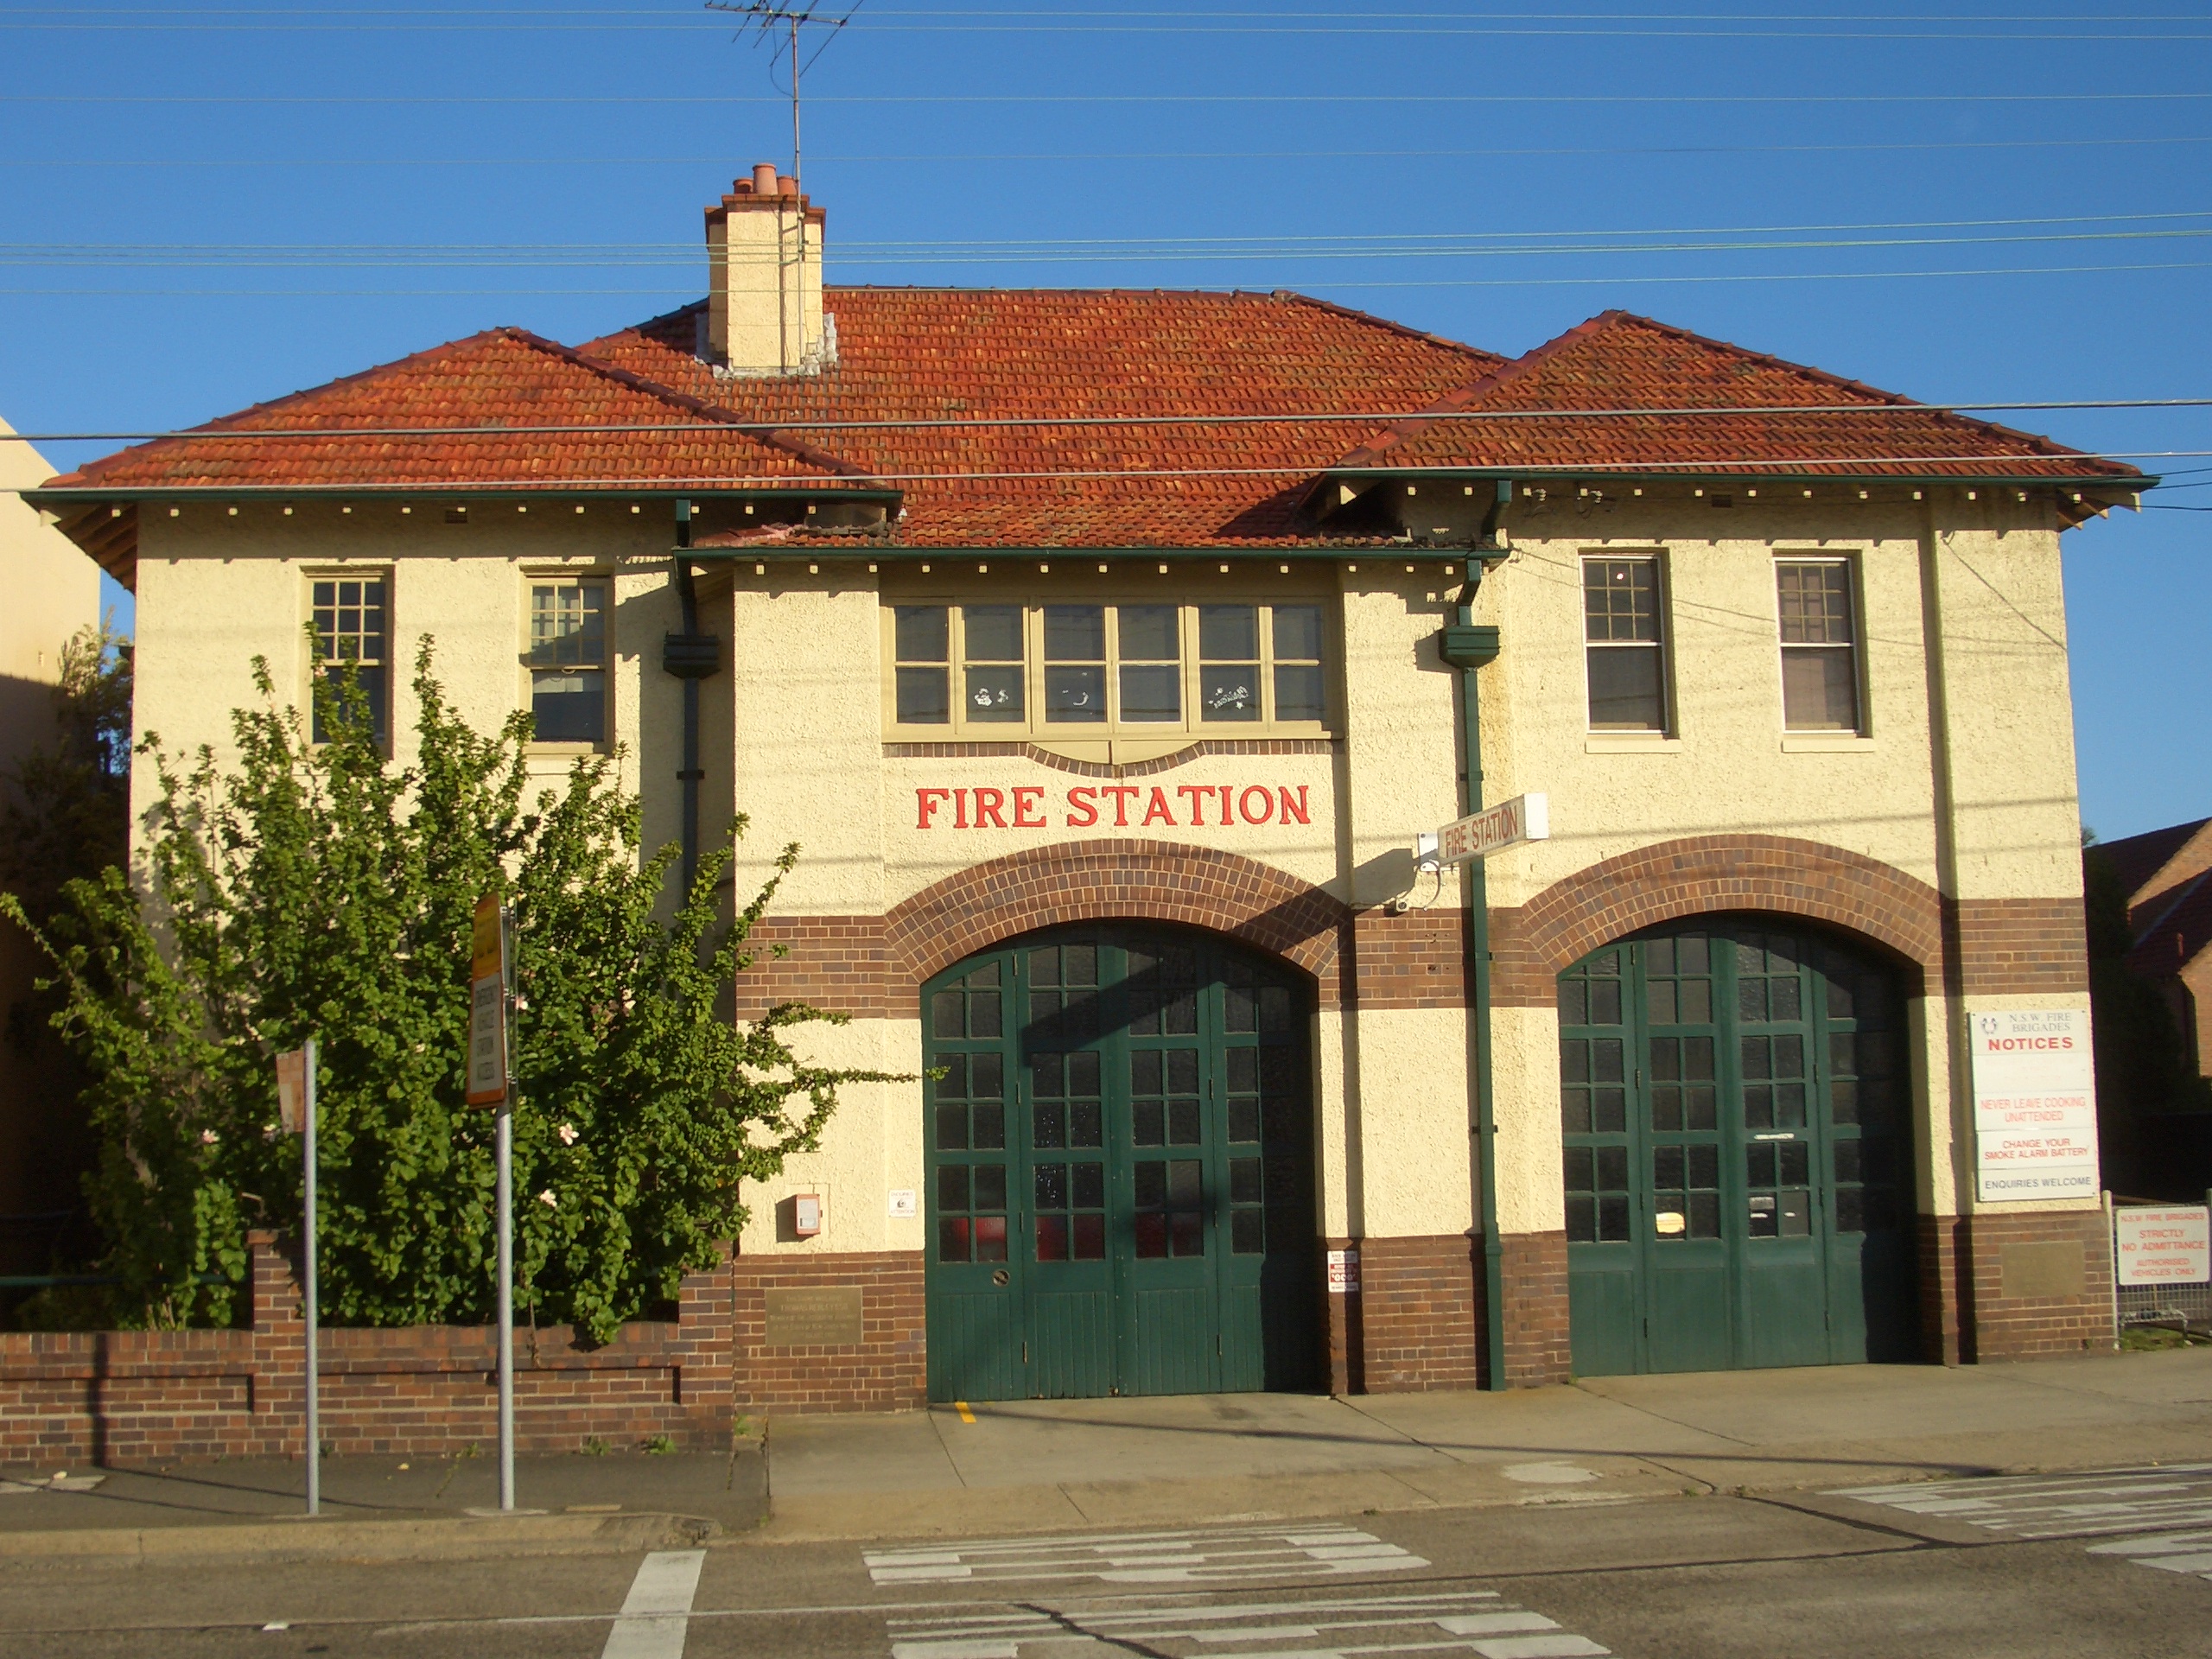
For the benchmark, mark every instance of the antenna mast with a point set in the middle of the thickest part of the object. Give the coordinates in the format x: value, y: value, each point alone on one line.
x: 763, y: 16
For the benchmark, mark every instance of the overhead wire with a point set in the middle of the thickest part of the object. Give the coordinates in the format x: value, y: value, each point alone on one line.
x: 1332, y: 417
x: 1596, y: 26
x: 1947, y: 99
x: 939, y: 158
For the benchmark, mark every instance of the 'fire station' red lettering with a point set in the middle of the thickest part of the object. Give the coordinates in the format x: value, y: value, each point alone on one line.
x: 1084, y: 799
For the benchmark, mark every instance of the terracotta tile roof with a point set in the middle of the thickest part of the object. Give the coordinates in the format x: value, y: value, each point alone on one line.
x: 504, y: 377
x: 1618, y: 360
x: 2140, y: 861
x: 971, y: 354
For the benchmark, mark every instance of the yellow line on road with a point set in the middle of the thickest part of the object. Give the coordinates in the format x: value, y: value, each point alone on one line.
x: 966, y: 1415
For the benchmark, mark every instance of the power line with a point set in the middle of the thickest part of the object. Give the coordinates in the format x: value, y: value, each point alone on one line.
x: 1181, y: 250
x: 671, y: 292
x: 785, y: 480
x: 1947, y: 99
x: 1336, y: 418
x: 937, y: 159
x: 1521, y: 26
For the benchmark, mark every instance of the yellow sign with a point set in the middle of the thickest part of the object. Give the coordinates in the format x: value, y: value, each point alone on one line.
x: 488, y: 1005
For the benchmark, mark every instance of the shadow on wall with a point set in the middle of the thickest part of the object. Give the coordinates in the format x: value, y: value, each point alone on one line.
x: 45, y: 1146
x: 2154, y: 1112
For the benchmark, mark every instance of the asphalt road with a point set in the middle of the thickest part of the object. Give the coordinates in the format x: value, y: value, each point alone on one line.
x: 2066, y: 1566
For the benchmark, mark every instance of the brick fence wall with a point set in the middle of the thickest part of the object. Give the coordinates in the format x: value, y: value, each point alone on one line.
x: 144, y: 1396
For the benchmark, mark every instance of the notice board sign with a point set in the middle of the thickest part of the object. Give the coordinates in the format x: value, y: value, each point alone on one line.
x: 2034, y: 1104
x: 2163, y: 1247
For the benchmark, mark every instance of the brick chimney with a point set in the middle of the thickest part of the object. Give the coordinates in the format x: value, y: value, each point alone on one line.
x: 764, y: 304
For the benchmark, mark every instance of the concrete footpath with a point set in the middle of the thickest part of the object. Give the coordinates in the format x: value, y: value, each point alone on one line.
x: 1018, y: 1466
x: 1009, y: 1468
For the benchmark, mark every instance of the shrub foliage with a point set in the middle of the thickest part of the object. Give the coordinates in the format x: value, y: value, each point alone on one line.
x: 322, y: 890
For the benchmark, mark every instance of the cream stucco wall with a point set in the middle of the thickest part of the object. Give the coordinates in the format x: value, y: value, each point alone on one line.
x: 1963, y: 778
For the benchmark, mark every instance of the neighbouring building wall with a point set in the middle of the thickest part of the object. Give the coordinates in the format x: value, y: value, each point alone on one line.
x: 53, y: 590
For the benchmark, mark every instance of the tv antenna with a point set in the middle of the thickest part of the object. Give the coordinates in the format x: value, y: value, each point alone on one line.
x: 780, y: 24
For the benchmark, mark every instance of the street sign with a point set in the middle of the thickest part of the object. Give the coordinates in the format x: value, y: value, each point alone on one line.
x: 2164, y: 1247
x: 487, y: 1006
x: 1525, y: 817
x: 292, y: 1090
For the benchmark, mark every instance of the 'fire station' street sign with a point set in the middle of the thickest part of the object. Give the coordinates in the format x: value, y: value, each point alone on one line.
x: 1525, y: 817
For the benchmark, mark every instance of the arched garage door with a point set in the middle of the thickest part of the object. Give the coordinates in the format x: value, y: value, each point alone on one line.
x: 1121, y: 1169
x: 1734, y: 1102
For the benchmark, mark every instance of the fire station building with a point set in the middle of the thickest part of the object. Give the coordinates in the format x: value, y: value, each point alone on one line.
x: 1106, y: 652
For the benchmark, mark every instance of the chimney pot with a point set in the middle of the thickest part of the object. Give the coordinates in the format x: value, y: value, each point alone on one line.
x: 786, y: 185
x: 764, y: 178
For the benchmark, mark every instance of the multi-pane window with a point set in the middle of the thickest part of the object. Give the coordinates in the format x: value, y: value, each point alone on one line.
x: 1087, y: 669
x: 567, y: 659
x: 1625, y: 646
x: 352, y: 631
x: 1820, y: 645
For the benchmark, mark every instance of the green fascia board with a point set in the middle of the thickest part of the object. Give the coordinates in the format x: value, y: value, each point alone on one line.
x: 1309, y: 552
x: 76, y: 495
x: 2132, y: 485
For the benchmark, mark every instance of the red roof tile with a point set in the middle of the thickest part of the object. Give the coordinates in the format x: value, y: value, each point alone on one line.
x: 504, y: 377
x: 1063, y: 357
x: 1075, y: 354
x: 1618, y: 360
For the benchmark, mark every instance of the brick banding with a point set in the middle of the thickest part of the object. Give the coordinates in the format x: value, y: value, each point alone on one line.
x: 1532, y: 943
x: 1194, y: 750
x: 1122, y: 880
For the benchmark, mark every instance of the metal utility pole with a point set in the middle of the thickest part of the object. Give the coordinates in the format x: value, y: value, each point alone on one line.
x: 308, y: 1288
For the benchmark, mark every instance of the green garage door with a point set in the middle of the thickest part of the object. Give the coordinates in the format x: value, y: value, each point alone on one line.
x: 1121, y: 1191
x: 1733, y: 1102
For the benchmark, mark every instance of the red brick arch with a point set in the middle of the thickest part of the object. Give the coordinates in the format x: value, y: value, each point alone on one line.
x: 1703, y: 874
x: 1147, y: 881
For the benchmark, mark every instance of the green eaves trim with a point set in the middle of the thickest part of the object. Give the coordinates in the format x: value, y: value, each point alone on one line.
x: 855, y: 546
x: 89, y: 495
x: 2130, y: 483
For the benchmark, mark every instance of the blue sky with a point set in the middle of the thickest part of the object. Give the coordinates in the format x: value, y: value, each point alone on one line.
x: 209, y: 206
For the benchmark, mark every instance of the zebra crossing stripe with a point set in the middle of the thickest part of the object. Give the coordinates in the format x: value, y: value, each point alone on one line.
x: 1215, y: 1555
x: 1479, y: 1622
x: 2058, y: 1506
x: 2170, y: 1551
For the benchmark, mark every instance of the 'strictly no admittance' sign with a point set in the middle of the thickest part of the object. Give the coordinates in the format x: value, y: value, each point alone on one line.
x: 2164, y: 1247
x: 2035, y: 1106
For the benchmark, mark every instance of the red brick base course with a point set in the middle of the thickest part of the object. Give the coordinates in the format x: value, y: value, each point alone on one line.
x: 138, y: 1396
x: 1419, y: 1314
x: 2033, y: 1284
x: 1537, y: 1347
x: 884, y: 1371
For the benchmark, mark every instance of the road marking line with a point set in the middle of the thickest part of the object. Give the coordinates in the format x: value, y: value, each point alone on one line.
x: 657, y: 1613
x: 966, y: 1415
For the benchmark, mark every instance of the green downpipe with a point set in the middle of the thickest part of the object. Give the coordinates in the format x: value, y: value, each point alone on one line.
x: 1468, y: 648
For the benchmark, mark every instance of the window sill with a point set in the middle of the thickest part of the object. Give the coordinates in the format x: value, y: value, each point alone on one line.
x: 1630, y: 743
x: 1825, y: 743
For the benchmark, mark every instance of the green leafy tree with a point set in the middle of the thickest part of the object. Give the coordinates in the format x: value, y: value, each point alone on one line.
x: 321, y: 889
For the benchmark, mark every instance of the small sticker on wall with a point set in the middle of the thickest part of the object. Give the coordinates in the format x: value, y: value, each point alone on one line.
x: 1344, y: 1273
x: 902, y: 1204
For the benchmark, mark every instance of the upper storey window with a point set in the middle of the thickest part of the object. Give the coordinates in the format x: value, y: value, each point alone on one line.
x: 353, y: 631
x: 566, y: 660
x: 1078, y: 671
x: 1622, y: 618
x: 1820, y: 645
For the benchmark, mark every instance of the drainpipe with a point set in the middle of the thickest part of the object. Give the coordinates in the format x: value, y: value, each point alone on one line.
x: 1467, y: 648
x: 691, y: 657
